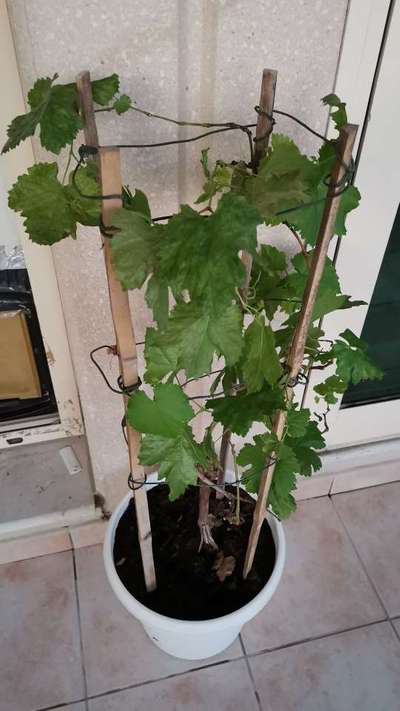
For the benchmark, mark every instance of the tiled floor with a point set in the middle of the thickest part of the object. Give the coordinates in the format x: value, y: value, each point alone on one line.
x: 328, y: 641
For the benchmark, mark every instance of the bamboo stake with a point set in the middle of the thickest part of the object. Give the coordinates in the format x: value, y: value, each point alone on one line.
x: 111, y: 183
x: 263, y: 132
x: 296, y: 353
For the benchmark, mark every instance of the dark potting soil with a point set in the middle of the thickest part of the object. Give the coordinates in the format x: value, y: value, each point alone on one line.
x: 187, y: 584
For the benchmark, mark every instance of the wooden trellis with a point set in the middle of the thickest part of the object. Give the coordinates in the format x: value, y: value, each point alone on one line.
x: 296, y: 354
x: 111, y: 183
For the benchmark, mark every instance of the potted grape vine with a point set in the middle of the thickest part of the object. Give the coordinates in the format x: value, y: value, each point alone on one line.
x: 226, y: 309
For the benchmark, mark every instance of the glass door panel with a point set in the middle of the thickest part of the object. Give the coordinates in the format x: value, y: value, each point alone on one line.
x: 381, y: 330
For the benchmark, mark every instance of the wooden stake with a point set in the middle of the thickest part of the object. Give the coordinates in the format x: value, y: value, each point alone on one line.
x: 108, y: 160
x: 296, y: 353
x: 263, y: 132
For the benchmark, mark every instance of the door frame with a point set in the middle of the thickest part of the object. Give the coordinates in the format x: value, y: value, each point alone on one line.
x: 39, y: 262
x: 361, y: 53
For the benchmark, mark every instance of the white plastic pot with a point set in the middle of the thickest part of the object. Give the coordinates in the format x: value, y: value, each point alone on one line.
x: 186, y: 639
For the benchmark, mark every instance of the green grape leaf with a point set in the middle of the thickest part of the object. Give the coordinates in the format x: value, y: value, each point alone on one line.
x: 352, y: 361
x: 104, y: 90
x: 295, y: 455
x: 254, y: 457
x: 283, y: 157
x: 260, y: 359
x: 85, y: 211
x: 177, y: 459
x: 134, y: 248
x: 307, y: 220
x: 238, y: 413
x: 284, y: 480
x: 297, y: 422
x: 122, y: 104
x: 166, y: 415
x: 269, y: 268
x: 290, y: 292
x: 329, y: 389
x: 217, y: 181
x: 44, y: 204
x: 201, y: 254
x: 281, y: 179
x: 190, y: 340
x: 157, y: 298
x: 339, y: 117
x: 168, y: 440
x: 303, y: 446
x: 137, y: 202
x: 55, y: 109
x: 161, y: 356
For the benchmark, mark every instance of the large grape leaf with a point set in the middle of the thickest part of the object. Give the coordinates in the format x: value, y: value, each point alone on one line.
x: 201, y: 254
x: 353, y: 363
x: 134, y: 248
x: 136, y: 252
x: 295, y: 455
x: 166, y: 415
x: 289, y: 293
x: 85, y: 210
x: 238, y: 413
x: 281, y: 179
x: 52, y: 210
x: 307, y: 220
x: 260, y: 359
x: 269, y: 268
x: 168, y: 440
x: 191, y: 338
x: 44, y: 204
x: 55, y: 108
x: 329, y: 389
x: 103, y: 90
x: 255, y: 456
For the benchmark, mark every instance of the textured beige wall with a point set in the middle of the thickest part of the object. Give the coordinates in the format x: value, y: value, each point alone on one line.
x: 183, y: 58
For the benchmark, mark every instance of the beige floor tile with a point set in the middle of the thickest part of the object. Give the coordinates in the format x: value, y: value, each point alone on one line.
x: 88, y: 534
x: 117, y: 651
x: 372, y: 519
x: 323, y: 589
x: 34, y: 545
x: 40, y: 663
x: 352, y: 671
x: 223, y: 688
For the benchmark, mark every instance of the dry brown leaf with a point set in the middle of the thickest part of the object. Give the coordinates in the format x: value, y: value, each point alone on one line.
x: 224, y: 566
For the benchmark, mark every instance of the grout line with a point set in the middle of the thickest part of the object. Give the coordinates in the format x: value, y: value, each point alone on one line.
x: 297, y: 643
x: 364, y: 567
x: 60, y: 707
x: 396, y: 632
x: 155, y: 681
x: 250, y: 672
x: 246, y: 656
x: 78, y: 605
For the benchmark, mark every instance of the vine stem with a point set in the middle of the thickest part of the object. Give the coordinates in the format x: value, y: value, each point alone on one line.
x: 300, y: 242
x: 177, y: 122
x: 70, y: 154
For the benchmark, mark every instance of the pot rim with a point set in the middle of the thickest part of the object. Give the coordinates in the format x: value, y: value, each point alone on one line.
x: 146, y: 615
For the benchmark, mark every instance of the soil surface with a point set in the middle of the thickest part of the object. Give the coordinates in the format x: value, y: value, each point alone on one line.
x: 188, y: 587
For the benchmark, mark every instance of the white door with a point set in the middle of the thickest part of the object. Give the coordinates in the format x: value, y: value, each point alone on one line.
x: 368, y: 261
